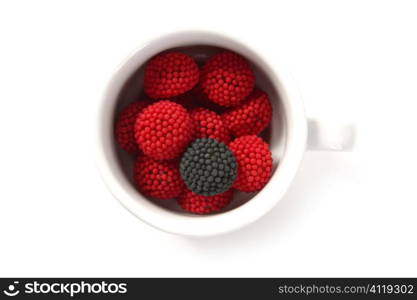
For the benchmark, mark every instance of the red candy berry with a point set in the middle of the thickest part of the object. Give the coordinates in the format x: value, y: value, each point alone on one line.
x: 170, y: 74
x: 254, y: 162
x: 208, y: 124
x: 157, y: 179
x: 163, y: 130
x: 227, y: 79
x: 125, y: 124
x: 204, y: 204
x: 251, y: 117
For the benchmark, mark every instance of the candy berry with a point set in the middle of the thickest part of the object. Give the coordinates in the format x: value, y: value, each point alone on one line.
x: 251, y: 117
x: 208, y: 124
x: 254, y: 163
x: 204, y: 204
x: 158, y: 179
x: 227, y: 79
x: 170, y: 74
x: 163, y: 130
x: 208, y: 167
x: 125, y: 124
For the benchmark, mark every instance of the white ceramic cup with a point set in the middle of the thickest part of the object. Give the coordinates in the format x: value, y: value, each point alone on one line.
x: 290, y: 135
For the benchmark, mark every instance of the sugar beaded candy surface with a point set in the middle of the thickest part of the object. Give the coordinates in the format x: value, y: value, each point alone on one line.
x: 163, y: 130
x: 170, y: 74
x: 208, y: 124
x: 125, y: 126
x: 208, y: 167
x: 254, y: 163
x: 251, y: 117
x: 199, y: 204
x: 227, y: 78
x: 158, y: 179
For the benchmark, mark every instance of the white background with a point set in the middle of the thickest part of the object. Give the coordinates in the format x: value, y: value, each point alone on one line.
x: 345, y: 215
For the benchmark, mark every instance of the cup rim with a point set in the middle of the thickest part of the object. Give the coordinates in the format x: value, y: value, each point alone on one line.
x: 206, y: 225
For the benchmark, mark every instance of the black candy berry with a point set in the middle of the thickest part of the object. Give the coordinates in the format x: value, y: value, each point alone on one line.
x: 208, y: 167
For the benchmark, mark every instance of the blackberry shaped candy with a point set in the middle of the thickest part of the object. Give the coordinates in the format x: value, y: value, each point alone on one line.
x: 208, y: 167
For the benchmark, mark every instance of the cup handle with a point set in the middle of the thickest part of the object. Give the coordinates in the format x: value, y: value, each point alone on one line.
x: 330, y: 136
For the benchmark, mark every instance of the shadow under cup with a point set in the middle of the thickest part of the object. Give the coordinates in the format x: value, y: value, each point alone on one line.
x: 132, y: 89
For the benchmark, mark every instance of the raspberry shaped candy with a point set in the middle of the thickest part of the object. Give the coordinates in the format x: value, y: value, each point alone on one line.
x: 251, y: 117
x: 163, y: 130
x: 227, y: 79
x: 170, y: 74
x: 204, y: 204
x: 254, y: 163
x: 208, y: 124
x: 158, y: 179
x: 208, y: 167
x: 125, y: 134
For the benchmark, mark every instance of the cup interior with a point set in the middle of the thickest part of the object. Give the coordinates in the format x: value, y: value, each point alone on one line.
x: 131, y: 89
